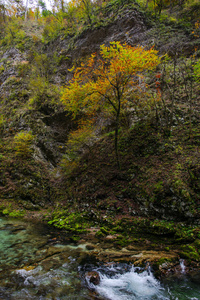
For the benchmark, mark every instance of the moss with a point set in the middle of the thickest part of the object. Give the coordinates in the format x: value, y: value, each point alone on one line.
x: 197, y: 245
x: 11, y: 212
x: 188, y: 248
x: 118, y: 228
x: 75, y: 238
x: 122, y: 241
x: 104, y: 230
x: 5, y: 211
x: 190, y: 256
x: 99, y: 234
x: 189, y: 252
x: 17, y: 213
x: 162, y: 261
x: 71, y: 222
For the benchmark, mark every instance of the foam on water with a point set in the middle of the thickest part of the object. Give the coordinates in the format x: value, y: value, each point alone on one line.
x: 120, y: 282
x: 38, y: 277
x: 130, y: 285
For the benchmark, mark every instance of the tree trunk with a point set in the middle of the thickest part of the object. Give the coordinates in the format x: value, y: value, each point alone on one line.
x: 173, y: 95
x: 26, y: 11
x: 62, y: 6
x: 117, y: 131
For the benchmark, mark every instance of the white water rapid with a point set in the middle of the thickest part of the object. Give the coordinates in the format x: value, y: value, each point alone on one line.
x: 133, y: 284
x: 116, y: 283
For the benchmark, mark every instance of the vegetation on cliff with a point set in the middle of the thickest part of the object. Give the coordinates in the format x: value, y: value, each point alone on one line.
x: 50, y: 159
x: 110, y: 85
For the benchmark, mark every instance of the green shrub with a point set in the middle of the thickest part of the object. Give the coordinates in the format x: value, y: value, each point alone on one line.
x: 197, y: 70
x: 23, y: 143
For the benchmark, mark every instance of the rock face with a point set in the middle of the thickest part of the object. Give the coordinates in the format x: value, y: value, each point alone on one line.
x: 13, y: 56
x: 128, y: 25
x: 48, y: 122
x: 93, y: 277
x: 128, y: 28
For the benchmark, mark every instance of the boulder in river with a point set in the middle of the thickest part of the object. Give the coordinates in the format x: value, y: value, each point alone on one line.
x: 93, y: 277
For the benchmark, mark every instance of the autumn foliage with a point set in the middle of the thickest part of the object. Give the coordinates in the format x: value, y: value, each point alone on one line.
x: 107, y: 82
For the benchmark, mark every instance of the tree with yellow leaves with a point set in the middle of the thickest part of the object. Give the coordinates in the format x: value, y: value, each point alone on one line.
x: 106, y: 81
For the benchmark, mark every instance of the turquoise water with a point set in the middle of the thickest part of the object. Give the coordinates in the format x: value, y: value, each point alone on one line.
x: 34, y: 265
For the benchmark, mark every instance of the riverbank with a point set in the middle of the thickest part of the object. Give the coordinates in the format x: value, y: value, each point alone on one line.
x: 146, y: 212
x: 134, y: 241
x: 37, y: 263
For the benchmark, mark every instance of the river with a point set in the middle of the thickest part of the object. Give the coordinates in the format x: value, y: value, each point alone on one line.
x: 34, y: 264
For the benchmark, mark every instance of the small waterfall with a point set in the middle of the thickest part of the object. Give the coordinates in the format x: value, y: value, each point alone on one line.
x: 182, y: 266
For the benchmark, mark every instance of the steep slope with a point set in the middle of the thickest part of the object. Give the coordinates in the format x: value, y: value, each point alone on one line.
x: 31, y: 76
